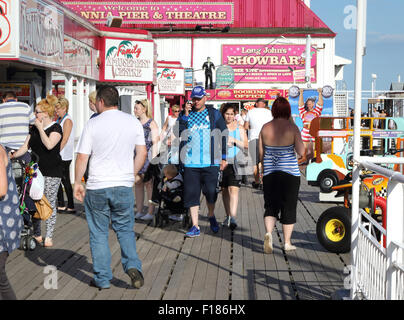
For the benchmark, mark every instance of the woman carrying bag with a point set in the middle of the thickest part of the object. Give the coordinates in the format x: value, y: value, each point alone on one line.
x: 44, y: 139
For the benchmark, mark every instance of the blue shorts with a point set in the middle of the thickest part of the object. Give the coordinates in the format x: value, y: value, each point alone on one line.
x: 197, y: 180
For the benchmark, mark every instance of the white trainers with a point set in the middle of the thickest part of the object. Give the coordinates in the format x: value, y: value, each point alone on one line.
x: 268, y: 248
x: 289, y: 247
x: 147, y: 217
x: 175, y: 217
x: 138, y: 215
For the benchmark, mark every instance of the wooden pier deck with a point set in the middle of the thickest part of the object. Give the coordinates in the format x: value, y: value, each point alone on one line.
x: 223, y: 266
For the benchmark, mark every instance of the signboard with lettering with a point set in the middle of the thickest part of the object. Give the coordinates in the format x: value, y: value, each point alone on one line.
x: 189, y: 78
x: 225, y: 77
x: 268, y: 63
x: 155, y: 12
x: 79, y: 58
x: 127, y: 60
x: 8, y: 30
x: 249, y: 94
x: 41, y: 33
x: 170, y: 81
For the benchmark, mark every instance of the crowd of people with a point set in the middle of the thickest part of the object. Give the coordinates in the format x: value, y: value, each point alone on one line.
x: 206, y: 149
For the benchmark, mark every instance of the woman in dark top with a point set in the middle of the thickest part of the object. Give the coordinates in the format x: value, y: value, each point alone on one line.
x: 44, y: 139
x: 10, y: 222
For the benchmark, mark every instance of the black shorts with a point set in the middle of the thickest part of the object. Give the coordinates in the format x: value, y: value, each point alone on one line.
x: 253, y: 149
x: 281, y: 192
x: 229, y: 178
x: 197, y: 180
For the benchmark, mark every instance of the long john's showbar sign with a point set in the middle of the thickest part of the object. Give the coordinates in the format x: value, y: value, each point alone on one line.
x: 155, y: 12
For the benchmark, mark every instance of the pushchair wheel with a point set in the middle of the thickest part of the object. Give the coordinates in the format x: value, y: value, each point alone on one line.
x: 31, y: 243
x: 23, y: 243
x: 157, y: 220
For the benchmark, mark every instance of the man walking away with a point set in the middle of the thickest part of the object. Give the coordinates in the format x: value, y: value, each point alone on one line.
x: 15, y: 118
x: 111, y: 139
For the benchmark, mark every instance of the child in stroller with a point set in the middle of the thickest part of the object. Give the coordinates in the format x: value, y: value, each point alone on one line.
x: 27, y: 205
x: 168, y: 188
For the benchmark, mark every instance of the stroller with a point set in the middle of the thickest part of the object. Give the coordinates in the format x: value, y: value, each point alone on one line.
x: 170, y: 202
x: 27, y: 205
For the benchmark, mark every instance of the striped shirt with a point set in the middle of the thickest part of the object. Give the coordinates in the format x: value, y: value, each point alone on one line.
x: 281, y: 159
x: 15, y: 118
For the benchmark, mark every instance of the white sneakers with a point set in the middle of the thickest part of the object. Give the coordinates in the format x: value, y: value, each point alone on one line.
x: 138, y: 215
x: 175, y: 217
x: 144, y: 216
x: 268, y: 248
x: 289, y: 247
x: 147, y: 217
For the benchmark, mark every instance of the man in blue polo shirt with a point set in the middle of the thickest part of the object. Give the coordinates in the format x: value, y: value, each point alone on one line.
x: 203, y: 155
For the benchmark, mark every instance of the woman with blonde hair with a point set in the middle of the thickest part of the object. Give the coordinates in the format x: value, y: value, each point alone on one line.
x: 66, y: 152
x: 91, y: 103
x: 168, y: 126
x: 44, y: 139
x: 142, y: 111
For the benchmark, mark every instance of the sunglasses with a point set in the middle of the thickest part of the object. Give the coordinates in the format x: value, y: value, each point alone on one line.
x: 176, y: 111
x: 36, y: 111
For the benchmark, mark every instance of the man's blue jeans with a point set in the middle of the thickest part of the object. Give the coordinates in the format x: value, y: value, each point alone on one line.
x: 101, y: 206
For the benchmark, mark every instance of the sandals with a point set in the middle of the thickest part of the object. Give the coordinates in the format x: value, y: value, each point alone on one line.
x: 48, y: 242
x: 66, y: 210
x: 39, y: 240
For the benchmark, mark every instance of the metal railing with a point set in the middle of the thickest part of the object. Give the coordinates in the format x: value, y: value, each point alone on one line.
x: 378, y: 253
x: 377, y: 270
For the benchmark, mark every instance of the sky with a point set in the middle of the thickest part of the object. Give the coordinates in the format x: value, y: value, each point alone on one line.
x: 384, y: 42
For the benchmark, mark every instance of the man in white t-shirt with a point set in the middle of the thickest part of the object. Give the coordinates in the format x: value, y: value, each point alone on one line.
x: 111, y: 139
x: 254, y: 122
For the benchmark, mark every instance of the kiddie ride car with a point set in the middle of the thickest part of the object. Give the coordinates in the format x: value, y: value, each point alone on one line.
x: 334, y: 225
x: 334, y: 144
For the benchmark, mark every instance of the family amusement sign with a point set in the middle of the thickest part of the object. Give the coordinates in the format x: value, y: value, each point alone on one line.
x: 155, y: 12
x: 128, y: 60
x: 170, y: 81
x: 262, y: 63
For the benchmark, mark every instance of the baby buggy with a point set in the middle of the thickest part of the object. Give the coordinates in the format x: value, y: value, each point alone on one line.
x: 27, y: 205
x: 170, y: 202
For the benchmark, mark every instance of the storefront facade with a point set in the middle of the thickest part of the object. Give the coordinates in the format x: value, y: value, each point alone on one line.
x: 263, y: 41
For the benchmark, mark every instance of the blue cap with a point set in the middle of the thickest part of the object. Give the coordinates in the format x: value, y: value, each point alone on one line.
x: 198, y: 92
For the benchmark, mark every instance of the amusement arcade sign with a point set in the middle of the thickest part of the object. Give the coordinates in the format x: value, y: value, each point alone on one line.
x: 128, y: 60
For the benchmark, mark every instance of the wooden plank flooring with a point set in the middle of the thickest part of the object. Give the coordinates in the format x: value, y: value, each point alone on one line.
x: 229, y: 265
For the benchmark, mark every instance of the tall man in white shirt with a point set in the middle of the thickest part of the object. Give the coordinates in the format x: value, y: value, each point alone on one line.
x: 254, y: 122
x: 111, y: 139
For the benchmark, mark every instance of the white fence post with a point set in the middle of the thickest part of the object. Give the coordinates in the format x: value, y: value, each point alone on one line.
x: 395, y: 227
x: 360, y: 32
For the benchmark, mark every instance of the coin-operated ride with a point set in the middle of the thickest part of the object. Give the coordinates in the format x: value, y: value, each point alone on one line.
x: 334, y: 146
x: 333, y: 227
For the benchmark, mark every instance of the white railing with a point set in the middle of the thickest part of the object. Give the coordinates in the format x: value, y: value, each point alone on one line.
x: 378, y: 259
x: 377, y: 272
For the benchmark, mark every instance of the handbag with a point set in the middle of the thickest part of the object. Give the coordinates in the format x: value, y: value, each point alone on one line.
x: 243, y: 164
x: 43, y: 209
x: 37, y: 185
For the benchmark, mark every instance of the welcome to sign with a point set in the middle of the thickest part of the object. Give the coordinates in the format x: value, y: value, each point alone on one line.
x: 155, y: 12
